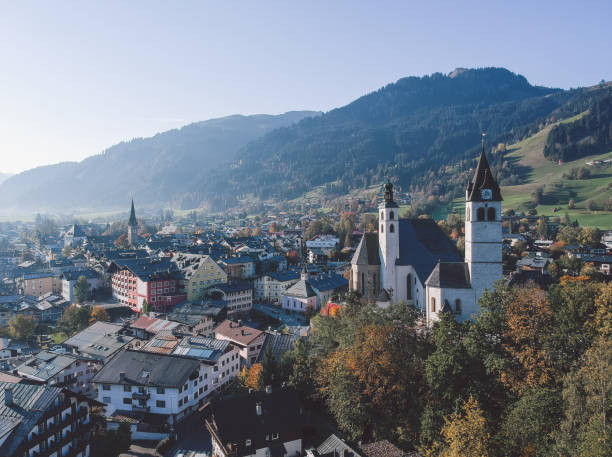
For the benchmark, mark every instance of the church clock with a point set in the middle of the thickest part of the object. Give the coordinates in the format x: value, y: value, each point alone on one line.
x: 486, y: 194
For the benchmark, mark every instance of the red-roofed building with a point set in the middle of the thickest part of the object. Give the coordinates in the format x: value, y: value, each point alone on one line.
x: 247, y: 339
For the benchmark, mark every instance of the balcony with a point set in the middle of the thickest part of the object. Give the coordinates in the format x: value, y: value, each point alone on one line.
x: 140, y: 408
x: 141, y: 395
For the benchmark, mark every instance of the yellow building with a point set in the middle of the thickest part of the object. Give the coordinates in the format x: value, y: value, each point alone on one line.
x: 199, y: 271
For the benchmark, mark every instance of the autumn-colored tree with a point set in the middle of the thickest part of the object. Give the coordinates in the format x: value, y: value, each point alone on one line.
x: 272, y: 228
x: 602, y: 318
x: 22, y: 327
x: 465, y: 432
x: 529, y: 318
x: 254, y: 378
x: 98, y: 314
x: 81, y: 289
x: 256, y: 231
x: 121, y: 241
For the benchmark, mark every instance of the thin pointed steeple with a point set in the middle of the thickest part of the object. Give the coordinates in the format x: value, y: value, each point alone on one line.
x: 132, y: 221
x: 483, y: 179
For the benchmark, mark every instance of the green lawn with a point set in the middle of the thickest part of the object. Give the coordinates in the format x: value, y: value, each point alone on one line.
x: 58, y: 337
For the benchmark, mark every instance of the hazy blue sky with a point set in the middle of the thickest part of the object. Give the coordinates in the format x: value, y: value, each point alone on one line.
x: 79, y: 76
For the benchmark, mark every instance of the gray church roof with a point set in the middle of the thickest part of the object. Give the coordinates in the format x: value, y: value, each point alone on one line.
x: 367, y: 251
x: 450, y: 275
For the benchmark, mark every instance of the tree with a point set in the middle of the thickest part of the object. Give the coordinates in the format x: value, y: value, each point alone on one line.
x: 145, y: 307
x: 589, y: 236
x: 98, y: 314
x: 269, y: 368
x: 122, y: 242
x: 465, y: 432
x: 81, y: 289
x: 22, y: 327
x: 74, y: 319
x: 254, y: 378
x: 602, y: 318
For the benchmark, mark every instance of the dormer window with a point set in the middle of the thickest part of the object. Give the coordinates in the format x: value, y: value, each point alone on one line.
x: 248, y: 443
x: 274, y: 436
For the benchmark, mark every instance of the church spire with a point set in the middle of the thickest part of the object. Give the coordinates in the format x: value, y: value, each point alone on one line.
x: 483, y: 186
x: 389, y: 201
x: 132, y: 221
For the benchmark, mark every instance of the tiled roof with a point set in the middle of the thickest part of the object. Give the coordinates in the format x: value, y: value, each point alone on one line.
x: 367, y: 251
x: 300, y: 289
x: 162, y: 343
x: 45, y: 365
x: 153, y: 324
x: 236, y: 332
x: 233, y: 286
x: 383, y: 449
x: 334, y: 446
x: 160, y: 369
x: 327, y: 282
x: 29, y: 405
x: 73, y: 275
x: 147, y: 269
x: 279, y: 343
x: 101, y: 339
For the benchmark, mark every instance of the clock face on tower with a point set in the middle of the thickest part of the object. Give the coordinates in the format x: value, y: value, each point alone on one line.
x: 486, y: 194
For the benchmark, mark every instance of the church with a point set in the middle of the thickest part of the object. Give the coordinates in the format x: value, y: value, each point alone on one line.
x: 413, y: 260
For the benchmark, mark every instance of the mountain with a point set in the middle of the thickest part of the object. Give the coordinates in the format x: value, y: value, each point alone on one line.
x: 406, y: 130
x: 162, y: 169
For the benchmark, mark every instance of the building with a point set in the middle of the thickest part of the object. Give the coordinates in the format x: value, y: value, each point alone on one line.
x: 74, y: 236
x: 37, y: 284
x: 220, y: 360
x: 266, y: 423
x: 69, y: 279
x: 199, y: 317
x: 135, y: 280
x: 313, y: 292
x: 248, y: 340
x: 146, y: 326
x: 198, y: 272
x: 43, y: 420
x: 413, y: 260
x: 323, y: 241
x: 238, y: 294
x: 100, y: 341
x: 241, y: 267
x: 271, y: 286
x: 150, y: 383
x: 132, y: 231
x: 56, y: 369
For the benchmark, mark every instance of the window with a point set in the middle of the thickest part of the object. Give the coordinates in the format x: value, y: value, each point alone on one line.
x: 382, y: 228
x: 433, y: 304
x: 105, y: 386
x: 480, y: 214
x: 180, y: 402
x: 392, y: 228
x: 160, y: 403
x: 127, y: 388
x: 457, y: 306
x: 161, y: 390
x: 127, y: 401
x: 491, y: 214
x: 408, y: 287
x: 274, y: 436
x: 362, y: 284
x: 382, y: 215
x: 248, y: 442
x: 391, y: 215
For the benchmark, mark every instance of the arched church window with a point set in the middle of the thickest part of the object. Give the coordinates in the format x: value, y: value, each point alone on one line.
x: 382, y: 228
x: 433, y: 304
x: 491, y: 214
x: 362, y: 284
x: 480, y: 214
x: 382, y: 215
x: 468, y: 215
x: 457, y: 306
x: 391, y: 215
x: 391, y: 228
x: 408, y: 288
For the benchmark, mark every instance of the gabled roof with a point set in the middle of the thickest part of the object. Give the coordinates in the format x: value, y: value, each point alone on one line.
x: 160, y: 369
x: 147, y: 269
x: 450, y: 275
x: 153, y: 324
x: 300, y: 289
x: 327, y: 282
x: 237, y: 332
x: 279, y: 343
x: 334, y: 446
x: 367, y: 251
x: 423, y: 244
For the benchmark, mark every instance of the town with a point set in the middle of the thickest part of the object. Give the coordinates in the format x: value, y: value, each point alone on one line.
x: 192, y: 331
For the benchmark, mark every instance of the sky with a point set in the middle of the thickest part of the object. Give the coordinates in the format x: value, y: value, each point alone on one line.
x: 77, y: 77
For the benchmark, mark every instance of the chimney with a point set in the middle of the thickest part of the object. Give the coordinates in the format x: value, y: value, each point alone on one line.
x: 8, y: 396
x: 268, y: 389
x: 242, y: 332
x: 121, y: 376
x: 258, y: 409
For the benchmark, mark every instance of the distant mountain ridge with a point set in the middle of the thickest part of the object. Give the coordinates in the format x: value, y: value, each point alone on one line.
x: 161, y: 169
x: 423, y: 132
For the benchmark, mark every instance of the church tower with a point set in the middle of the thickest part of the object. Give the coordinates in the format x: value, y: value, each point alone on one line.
x: 132, y: 232
x: 388, y: 239
x: 483, y: 233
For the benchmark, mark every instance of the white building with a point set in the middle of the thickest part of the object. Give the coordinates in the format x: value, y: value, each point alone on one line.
x: 145, y: 382
x: 271, y: 286
x: 413, y: 260
x: 70, y: 278
x: 323, y: 241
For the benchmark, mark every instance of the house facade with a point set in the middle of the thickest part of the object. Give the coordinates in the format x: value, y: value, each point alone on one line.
x: 198, y: 272
x: 271, y: 286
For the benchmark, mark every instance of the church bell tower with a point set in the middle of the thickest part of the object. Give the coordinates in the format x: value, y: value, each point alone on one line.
x: 388, y: 238
x: 483, y: 233
x: 132, y: 232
